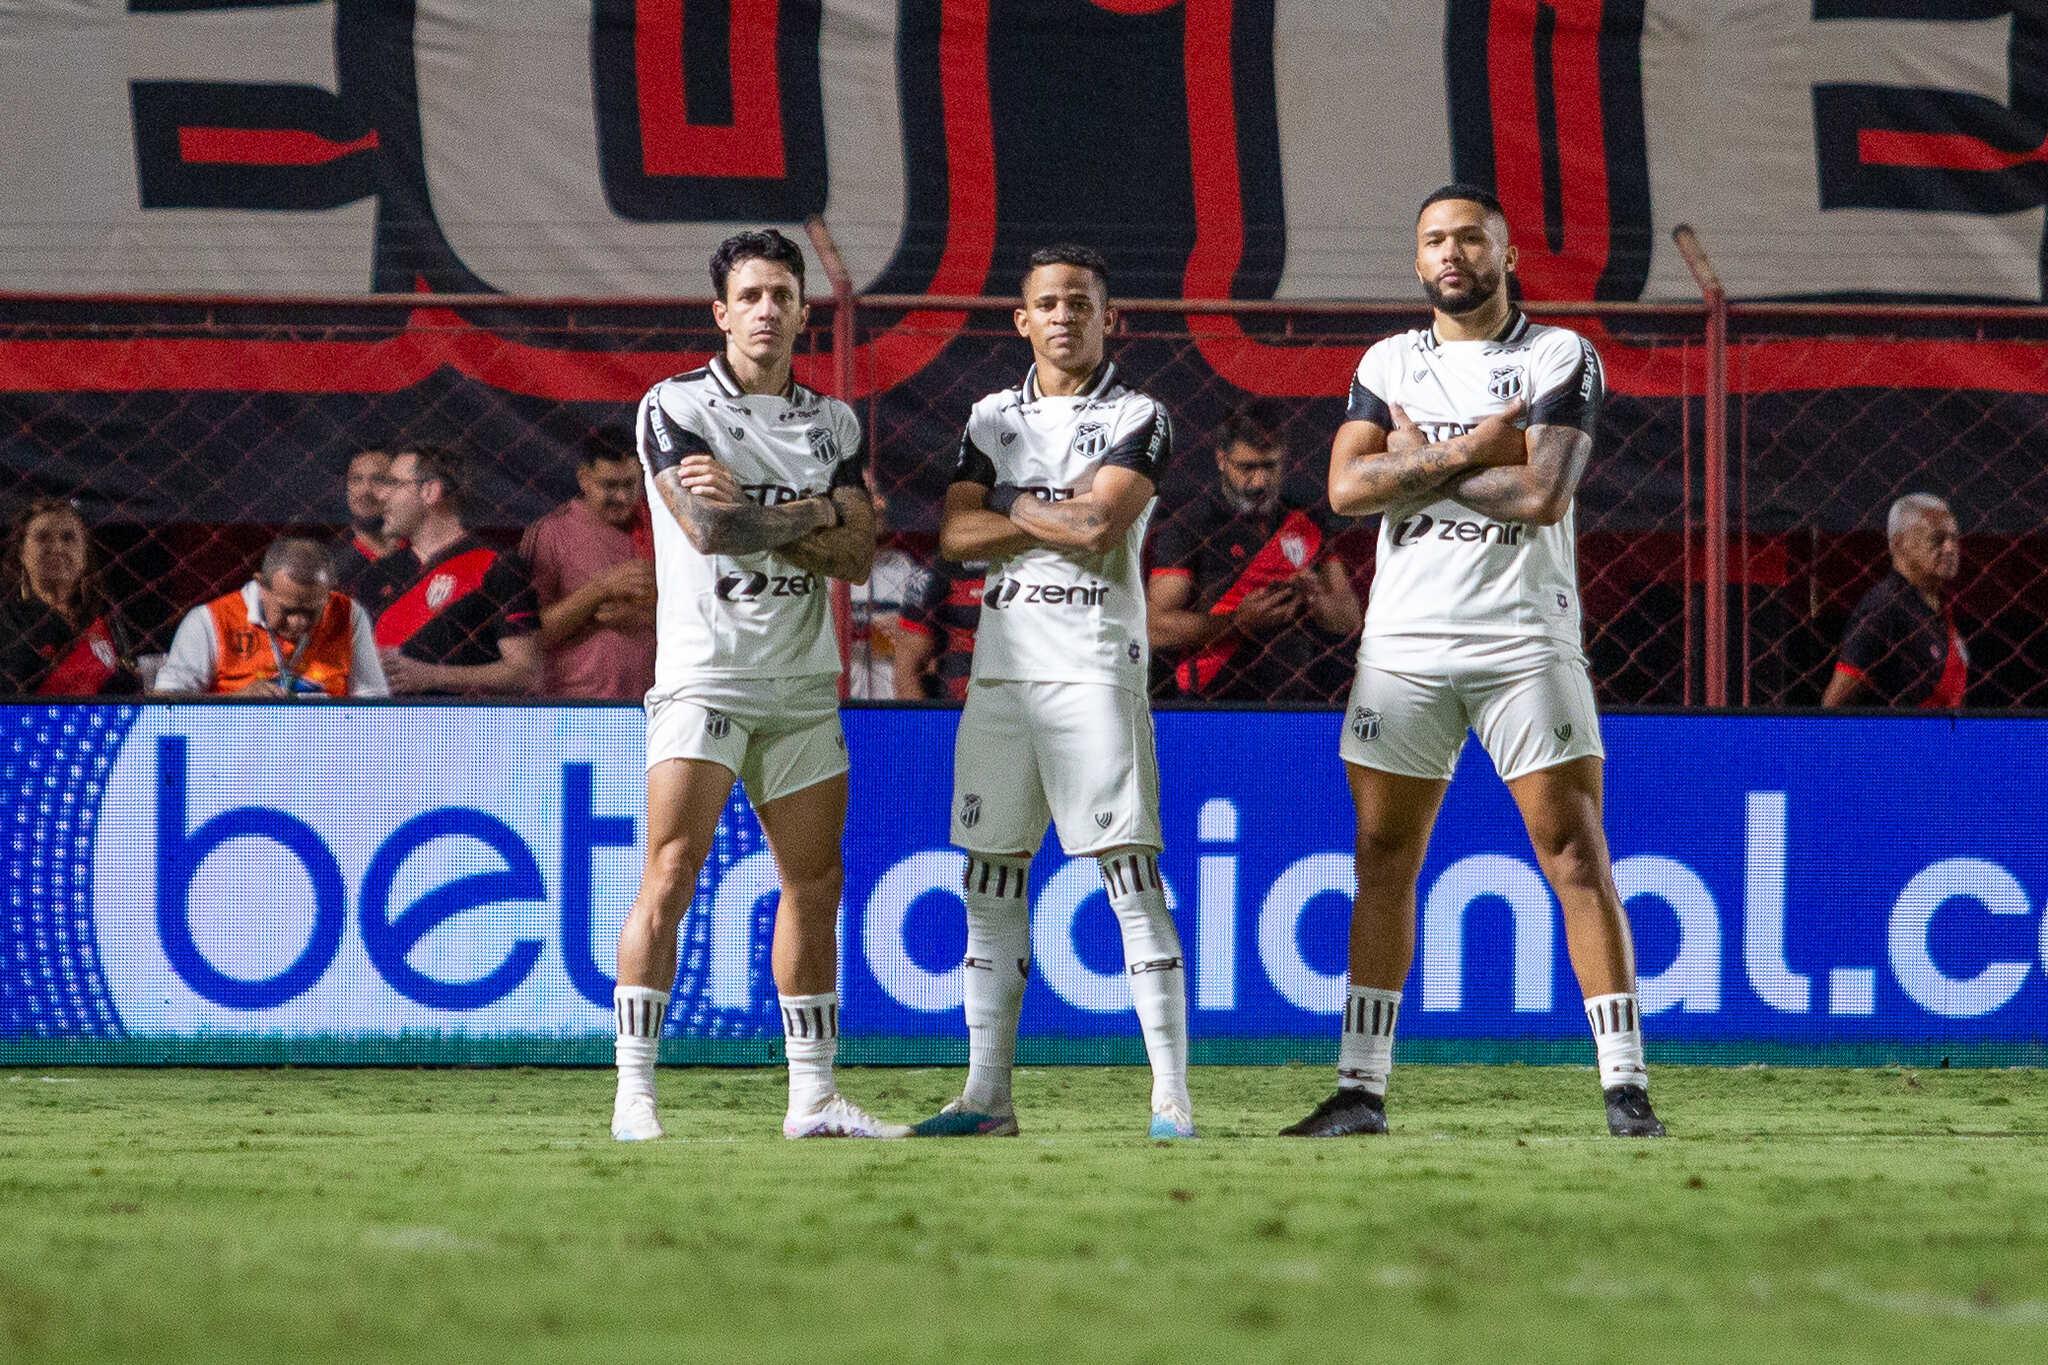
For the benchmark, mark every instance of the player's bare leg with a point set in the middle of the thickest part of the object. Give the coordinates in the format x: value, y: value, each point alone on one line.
x: 1395, y: 814
x: 804, y: 830
x: 685, y: 797
x: 1561, y: 806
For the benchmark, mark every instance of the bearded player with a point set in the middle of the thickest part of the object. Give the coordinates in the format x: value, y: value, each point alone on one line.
x: 1053, y: 487
x: 760, y: 479
x: 1469, y: 437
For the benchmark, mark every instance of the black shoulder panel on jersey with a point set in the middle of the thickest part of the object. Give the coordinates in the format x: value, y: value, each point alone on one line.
x: 973, y: 464
x: 851, y: 471
x: 1147, y: 447
x: 1576, y: 402
x: 663, y: 442
x: 1367, y: 406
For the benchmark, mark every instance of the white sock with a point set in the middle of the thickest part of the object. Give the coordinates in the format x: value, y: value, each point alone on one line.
x: 810, y: 1039
x: 1158, y: 971
x: 997, y: 964
x: 1618, y: 1038
x: 637, y: 1014
x: 1365, y: 1049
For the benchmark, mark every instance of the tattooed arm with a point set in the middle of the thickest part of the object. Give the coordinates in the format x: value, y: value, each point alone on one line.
x: 1539, y: 492
x: 1372, y: 469
x: 718, y: 519
x: 1094, y: 519
x: 845, y: 551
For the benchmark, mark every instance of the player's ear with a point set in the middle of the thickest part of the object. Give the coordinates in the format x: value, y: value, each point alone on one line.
x: 1022, y: 317
x: 718, y: 313
x: 1509, y: 258
x: 1108, y: 316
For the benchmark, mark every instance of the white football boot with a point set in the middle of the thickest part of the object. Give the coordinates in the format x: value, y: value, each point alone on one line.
x: 839, y: 1117
x: 633, y: 1119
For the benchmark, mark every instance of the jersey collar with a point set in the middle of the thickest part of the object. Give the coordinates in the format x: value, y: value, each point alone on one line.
x: 1098, y: 383
x: 1510, y: 331
x: 729, y: 384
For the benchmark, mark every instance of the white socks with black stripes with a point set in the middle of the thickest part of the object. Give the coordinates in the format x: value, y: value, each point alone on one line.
x: 1365, y: 1049
x: 637, y: 1014
x: 993, y: 973
x: 1157, y: 968
x: 810, y: 1039
x: 1618, y: 1039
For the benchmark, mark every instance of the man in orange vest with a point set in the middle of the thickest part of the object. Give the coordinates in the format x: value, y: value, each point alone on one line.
x: 286, y: 632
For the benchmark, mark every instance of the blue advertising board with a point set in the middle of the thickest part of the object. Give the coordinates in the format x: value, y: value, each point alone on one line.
x: 446, y: 883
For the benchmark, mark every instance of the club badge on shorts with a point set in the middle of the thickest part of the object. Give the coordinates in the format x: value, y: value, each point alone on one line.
x: 970, y: 811
x: 1365, y: 724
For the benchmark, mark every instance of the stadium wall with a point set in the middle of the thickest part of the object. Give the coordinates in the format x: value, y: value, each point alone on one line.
x: 367, y: 884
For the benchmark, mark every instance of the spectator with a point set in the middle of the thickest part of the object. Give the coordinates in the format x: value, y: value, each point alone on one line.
x: 1243, y: 586
x: 59, y: 636
x: 592, y: 561
x: 287, y: 632
x: 1902, y: 647
x: 875, y: 615
x: 453, y: 614
x: 364, y: 543
x: 935, y: 646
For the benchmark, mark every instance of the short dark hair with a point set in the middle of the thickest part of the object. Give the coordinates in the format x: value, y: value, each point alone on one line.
x: 1259, y: 423
x: 1067, y: 253
x: 606, y: 444
x: 1470, y: 193
x: 765, y: 245
x: 442, y: 466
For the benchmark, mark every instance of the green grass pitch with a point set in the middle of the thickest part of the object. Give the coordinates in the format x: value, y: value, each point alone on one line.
x: 316, y: 1215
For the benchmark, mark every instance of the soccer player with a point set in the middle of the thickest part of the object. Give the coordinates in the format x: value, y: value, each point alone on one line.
x: 757, y: 482
x: 1054, y: 486
x: 1469, y: 437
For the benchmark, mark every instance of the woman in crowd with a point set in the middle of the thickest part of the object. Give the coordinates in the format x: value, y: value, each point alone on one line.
x: 59, y: 636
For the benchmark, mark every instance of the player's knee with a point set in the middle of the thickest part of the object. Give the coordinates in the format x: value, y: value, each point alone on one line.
x: 1387, y: 857
x: 1574, y: 858
x: 814, y: 891
x: 672, y: 866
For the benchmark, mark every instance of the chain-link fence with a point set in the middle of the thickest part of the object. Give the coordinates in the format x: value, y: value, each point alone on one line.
x: 188, y: 434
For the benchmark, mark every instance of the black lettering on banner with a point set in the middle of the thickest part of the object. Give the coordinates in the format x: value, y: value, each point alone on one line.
x: 1546, y: 105
x: 269, y: 147
x: 709, y: 110
x: 1933, y: 150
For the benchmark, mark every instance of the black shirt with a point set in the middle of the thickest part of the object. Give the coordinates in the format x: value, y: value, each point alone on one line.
x: 453, y: 609
x: 36, y: 639
x: 1213, y: 543
x: 1904, y: 651
x: 946, y: 606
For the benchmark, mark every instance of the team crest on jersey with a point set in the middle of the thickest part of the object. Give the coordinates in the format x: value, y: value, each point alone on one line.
x: 103, y: 651
x: 1505, y: 382
x: 970, y: 811
x: 439, y: 589
x: 1090, y: 439
x: 1365, y: 724
x: 717, y: 724
x: 1296, y: 550
x: 824, y: 445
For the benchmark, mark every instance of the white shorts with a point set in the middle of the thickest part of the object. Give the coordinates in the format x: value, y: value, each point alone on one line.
x: 1077, y: 754
x: 1529, y: 700
x: 777, y: 735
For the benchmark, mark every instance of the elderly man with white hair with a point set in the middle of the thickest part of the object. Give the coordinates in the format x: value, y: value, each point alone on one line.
x: 1902, y: 647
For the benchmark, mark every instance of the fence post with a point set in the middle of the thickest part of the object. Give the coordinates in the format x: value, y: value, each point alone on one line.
x: 842, y: 366
x: 1715, y: 457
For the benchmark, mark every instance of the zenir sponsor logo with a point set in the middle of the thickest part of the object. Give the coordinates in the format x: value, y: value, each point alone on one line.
x: 1008, y: 592
x: 746, y: 585
x: 970, y: 811
x: 1422, y: 526
x: 1365, y: 724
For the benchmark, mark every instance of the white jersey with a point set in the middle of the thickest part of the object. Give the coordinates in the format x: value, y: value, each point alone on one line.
x: 1051, y: 615
x: 1443, y: 569
x: 751, y: 615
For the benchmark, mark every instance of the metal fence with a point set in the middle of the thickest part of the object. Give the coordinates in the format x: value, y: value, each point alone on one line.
x: 1733, y: 514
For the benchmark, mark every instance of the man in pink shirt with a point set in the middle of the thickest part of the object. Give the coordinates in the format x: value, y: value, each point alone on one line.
x: 592, y: 563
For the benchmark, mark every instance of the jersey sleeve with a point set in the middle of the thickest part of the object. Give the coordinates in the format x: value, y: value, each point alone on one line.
x: 851, y: 471
x: 1147, y: 446
x: 972, y: 464
x: 1867, y: 642
x: 1370, y: 391
x: 664, y: 437
x: 1569, y: 387
x: 515, y: 610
